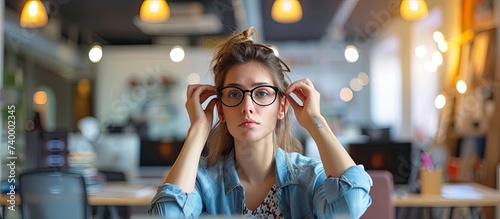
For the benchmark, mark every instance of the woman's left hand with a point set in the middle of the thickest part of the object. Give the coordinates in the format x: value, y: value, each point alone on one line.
x: 304, y: 90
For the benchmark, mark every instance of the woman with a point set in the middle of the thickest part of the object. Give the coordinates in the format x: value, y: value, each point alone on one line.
x: 251, y: 167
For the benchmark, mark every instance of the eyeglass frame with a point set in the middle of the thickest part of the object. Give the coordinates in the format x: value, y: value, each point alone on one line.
x: 275, y: 88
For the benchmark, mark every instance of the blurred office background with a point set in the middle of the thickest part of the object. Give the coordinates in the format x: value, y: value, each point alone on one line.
x: 383, y: 75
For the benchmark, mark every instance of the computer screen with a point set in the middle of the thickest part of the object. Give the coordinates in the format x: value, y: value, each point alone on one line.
x: 158, y: 153
x: 114, y: 151
x: 395, y: 157
x: 377, y: 134
x: 156, y: 157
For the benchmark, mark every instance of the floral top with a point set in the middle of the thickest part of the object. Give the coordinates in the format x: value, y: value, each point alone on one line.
x: 268, y: 209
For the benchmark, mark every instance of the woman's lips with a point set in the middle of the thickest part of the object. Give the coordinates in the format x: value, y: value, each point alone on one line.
x: 248, y: 123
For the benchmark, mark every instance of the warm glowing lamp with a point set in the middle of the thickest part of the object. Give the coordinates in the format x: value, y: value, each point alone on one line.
x: 154, y: 11
x: 440, y: 101
x: 40, y: 97
x: 95, y: 53
x: 413, y: 10
x: 33, y: 15
x: 461, y: 86
x: 286, y: 11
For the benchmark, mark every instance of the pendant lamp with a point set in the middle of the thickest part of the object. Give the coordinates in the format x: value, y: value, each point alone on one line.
x: 33, y: 15
x: 286, y: 11
x: 412, y: 10
x: 154, y: 11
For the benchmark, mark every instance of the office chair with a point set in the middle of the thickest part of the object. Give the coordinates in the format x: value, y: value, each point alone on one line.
x: 381, y: 194
x: 50, y: 194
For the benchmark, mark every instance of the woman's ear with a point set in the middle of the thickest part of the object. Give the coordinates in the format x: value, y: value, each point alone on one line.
x: 220, y: 114
x: 283, y: 107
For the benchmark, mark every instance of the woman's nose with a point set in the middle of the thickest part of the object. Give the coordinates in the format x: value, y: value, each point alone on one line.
x: 247, y: 104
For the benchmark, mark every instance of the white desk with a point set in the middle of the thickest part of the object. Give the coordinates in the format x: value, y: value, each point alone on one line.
x: 454, y: 195
x: 486, y: 197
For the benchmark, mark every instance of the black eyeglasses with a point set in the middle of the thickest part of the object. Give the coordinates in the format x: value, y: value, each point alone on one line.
x: 232, y: 96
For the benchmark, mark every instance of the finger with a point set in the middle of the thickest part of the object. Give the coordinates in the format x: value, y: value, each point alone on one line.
x: 210, y: 106
x: 308, y: 82
x: 301, y: 85
x: 298, y: 90
x: 190, y: 89
x: 203, y: 92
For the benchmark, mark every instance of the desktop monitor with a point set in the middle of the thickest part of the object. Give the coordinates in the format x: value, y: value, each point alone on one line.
x: 156, y: 157
x: 114, y: 151
x: 391, y: 156
x: 377, y: 134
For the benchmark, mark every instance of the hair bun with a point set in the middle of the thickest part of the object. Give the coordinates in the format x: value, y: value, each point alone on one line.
x: 248, y: 33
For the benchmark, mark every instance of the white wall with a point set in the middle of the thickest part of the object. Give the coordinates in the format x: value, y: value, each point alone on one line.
x: 116, y: 102
x: 324, y: 64
x: 425, y: 84
x: 387, y: 89
x: 418, y: 88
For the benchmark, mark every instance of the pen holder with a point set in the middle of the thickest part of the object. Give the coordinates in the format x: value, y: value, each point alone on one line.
x: 430, y: 181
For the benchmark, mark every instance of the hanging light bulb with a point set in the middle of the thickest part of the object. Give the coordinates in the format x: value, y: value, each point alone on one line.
x: 154, y: 11
x: 461, y: 86
x: 286, y: 11
x: 440, y: 101
x: 351, y: 53
x: 33, y: 15
x: 413, y: 10
x: 177, y: 54
x: 95, y: 53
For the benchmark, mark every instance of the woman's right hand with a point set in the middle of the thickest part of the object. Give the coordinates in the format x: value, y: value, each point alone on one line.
x: 197, y: 94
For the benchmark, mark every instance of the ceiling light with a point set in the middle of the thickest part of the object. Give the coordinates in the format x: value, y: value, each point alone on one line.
x: 33, y: 15
x: 438, y: 36
x: 40, y: 97
x: 413, y: 10
x: 286, y: 11
x: 461, y: 86
x: 346, y: 94
x: 177, y: 54
x: 363, y: 78
x: 440, y: 101
x: 443, y: 46
x: 154, y: 11
x: 351, y: 53
x: 355, y: 85
x: 95, y: 54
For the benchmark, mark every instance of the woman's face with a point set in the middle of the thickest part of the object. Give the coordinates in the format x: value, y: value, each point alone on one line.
x: 248, y: 121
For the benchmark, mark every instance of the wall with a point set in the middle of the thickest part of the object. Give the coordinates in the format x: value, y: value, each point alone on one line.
x: 418, y: 88
x: 116, y: 102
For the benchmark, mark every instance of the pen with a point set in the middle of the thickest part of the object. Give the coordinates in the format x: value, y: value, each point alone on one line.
x: 426, y: 161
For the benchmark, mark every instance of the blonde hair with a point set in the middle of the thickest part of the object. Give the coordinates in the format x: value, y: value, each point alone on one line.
x: 237, y: 49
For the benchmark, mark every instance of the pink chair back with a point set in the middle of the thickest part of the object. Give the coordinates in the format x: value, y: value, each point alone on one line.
x: 381, y: 194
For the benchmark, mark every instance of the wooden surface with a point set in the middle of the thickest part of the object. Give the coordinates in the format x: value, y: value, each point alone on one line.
x: 112, y: 194
x: 488, y: 197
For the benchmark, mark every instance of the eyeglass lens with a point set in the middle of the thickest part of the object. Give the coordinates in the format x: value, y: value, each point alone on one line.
x: 262, y: 95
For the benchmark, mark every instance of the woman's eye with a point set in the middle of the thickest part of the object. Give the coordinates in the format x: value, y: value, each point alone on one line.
x: 233, y: 94
x: 262, y: 93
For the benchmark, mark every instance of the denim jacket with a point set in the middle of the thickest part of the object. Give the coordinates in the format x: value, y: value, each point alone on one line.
x: 304, y: 191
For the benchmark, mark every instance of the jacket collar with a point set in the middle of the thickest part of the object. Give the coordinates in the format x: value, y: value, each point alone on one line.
x: 285, y: 175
